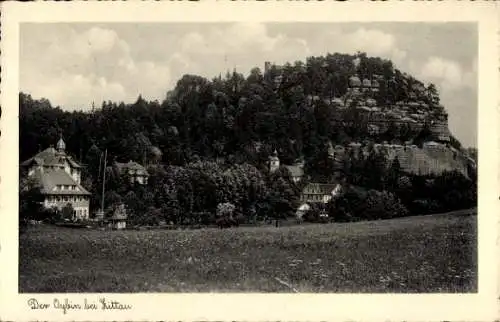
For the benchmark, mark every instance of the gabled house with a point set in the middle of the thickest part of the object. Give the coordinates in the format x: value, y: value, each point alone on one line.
x: 136, y: 172
x: 316, y: 193
x: 58, y: 176
x: 319, y: 192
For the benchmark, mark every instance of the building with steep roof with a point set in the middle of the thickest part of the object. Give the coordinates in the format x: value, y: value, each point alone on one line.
x: 59, y: 176
x: 136, y: 172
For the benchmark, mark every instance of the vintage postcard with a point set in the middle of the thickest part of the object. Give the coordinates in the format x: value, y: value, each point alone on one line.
x: 249, y: 161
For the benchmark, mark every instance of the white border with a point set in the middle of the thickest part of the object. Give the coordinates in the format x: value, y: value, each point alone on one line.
x: 478, y: 307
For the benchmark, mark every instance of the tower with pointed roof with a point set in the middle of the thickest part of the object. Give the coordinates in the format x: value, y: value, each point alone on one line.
x: 61, y: 146
x: 274, y: 162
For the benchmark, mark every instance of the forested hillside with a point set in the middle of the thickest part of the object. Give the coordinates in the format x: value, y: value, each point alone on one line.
x: 233, y: 122
x: 231, y: 115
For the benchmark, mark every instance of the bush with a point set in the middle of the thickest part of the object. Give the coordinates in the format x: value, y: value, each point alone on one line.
x: 383, y: 205
x: 67, y: 212
x: 317, y: 214
x: 225, y: 218
x: 348, y: 205
x: 356, y: 204
x: 51, y: 215
x: 425, y: 206
x: 447, y: 192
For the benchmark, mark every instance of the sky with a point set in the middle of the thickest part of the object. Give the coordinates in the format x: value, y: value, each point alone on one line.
x: 75, y: 64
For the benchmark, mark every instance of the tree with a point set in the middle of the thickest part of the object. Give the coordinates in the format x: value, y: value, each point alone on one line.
x: 283, y: 196
x: 67, y: 212
x: 393, y: 174
x: 433, y: 95
x: 375, y: 170
x: 30, y: 200
x: 225, y: 213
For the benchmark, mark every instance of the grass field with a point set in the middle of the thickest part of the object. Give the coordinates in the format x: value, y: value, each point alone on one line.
x: 413, y: 254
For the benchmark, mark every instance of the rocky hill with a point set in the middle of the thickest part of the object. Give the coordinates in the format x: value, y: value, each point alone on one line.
x: 400, y: 114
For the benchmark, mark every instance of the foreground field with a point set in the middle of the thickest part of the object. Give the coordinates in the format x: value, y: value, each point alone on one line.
x: 414, y: 254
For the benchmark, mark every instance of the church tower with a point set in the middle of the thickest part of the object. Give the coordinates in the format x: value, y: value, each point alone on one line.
x: 274, y: 162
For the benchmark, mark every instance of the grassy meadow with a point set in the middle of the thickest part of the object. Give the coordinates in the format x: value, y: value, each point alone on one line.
x: 414, y: 254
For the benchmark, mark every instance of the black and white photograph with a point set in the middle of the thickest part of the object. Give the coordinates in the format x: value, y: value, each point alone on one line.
x: 256, y: 157
x: 283, y: 157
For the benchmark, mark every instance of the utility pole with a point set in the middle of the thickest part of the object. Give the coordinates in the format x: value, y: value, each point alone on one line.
x: 103, y: 179
x: 100, y: 164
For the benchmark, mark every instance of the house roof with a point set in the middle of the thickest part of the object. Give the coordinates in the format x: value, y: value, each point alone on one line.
x: 295, y: 170
x: 131, y: 165
x: 304, y: 207
x: 50, y: 179
x: 319, y: 188
x: 118, y: 217
x: 50, y: 157
x: 354, y: 81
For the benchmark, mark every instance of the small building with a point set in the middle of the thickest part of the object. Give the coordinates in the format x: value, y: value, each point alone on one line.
x: 118, y: 220
x: 302, y: 210
x: 136, y: 172
x: 58, y: 176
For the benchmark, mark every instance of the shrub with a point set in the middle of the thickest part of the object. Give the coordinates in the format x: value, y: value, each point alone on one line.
x: 225, y: 216
x: 425, y: 206
x: 67, y: 212
x: 51, y: 215
x: 383, y: 205
x: 356, y: 204
x: 316, y: 214
x: 348, y: 205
